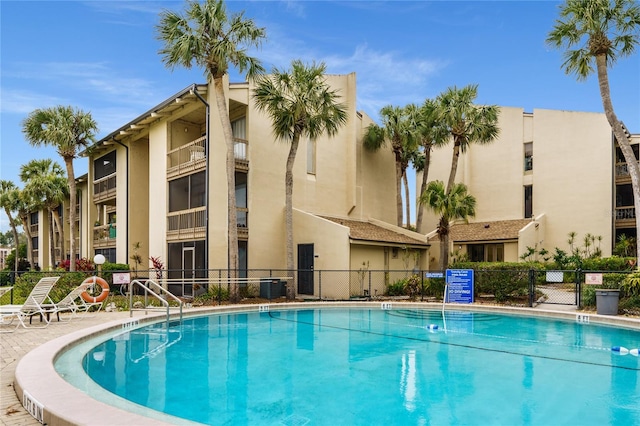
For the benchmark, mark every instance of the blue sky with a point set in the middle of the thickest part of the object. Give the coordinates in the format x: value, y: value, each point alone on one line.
x: 102, y: 57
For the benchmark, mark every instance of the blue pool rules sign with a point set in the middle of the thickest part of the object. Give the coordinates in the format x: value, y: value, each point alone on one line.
x: 459, y: 285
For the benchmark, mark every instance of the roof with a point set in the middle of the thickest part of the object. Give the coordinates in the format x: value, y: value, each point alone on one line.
x: 367, y: 231
x: 487, y: 231
x: 142, y: 122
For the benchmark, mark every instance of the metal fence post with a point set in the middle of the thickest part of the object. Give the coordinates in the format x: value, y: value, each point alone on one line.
x: 320, y: 284
x: 532, y: 286
x: 578, y: 288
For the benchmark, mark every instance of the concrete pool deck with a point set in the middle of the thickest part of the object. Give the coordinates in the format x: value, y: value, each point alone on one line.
x: 14, y: 346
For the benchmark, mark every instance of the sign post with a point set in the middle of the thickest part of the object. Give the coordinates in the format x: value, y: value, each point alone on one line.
x: 459, y: 286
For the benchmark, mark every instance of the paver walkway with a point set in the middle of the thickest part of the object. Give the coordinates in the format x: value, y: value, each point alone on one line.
x: 14, y: 346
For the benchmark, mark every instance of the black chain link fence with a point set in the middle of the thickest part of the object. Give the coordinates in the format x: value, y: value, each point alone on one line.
x: 506, y: 287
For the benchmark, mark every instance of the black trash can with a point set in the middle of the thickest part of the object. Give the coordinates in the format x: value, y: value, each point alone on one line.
x: 271, y: 288
x: 607, y: 301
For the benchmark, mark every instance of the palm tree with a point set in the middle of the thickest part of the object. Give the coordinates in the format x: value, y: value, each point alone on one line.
x: 44, y: 180
x: 68, y: 130
x: 8, y: 201
x: 300, y: 103
x: 466, y: 123
x: 449, y: 205
x: 207, y: 36
x: 429, y: 134
x: 397, y: 131
x: 600, y: 32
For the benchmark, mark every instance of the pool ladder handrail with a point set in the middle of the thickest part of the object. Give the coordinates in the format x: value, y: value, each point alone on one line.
x: 161, y: 291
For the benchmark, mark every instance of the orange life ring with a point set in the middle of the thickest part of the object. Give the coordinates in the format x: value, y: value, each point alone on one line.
x: 99, y: 298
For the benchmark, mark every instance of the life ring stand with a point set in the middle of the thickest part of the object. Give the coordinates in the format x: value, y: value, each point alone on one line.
x: 99, y: 298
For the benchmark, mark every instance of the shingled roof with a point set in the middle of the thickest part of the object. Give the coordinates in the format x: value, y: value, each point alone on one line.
x: 367, y: 231
x: 487, y: 231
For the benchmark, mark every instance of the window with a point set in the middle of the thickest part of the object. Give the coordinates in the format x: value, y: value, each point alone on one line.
x: 34, y: 243
x: 311, y: 156
x: 624, y: 195
x: 528, y: 201
x: 486, y: 252
x: 108, y: 253
x: 242, y: 259
x: 528, y: 156
x: 104, y: 166
x: 187, y: 192
x: 239, y: 128
x: 620, y: 156
x: 241, y: 199
x: 33, y: 218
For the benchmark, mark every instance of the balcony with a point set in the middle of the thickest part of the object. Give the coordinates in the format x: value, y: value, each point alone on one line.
x: 187, y: 158
x: 625, y: 217
x: 240, y: 153
x: 622, y: 171
x: 104, y: 235
x: 242, y: 219
x: 186, y: 224
x: 104, y: 189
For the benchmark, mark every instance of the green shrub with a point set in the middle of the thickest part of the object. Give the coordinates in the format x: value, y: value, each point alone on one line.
x: 215, y: 292
x: 631, y: 285
x: 434, y: 287
x: 613, y: 263
x: 396, y: 288
x: 589, y: 296
x: 501, y: 279
x: 630, y: 305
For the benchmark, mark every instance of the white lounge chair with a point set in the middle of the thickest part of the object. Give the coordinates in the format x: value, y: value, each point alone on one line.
x: 75, y: 304
x: 37, y: 303
x: 4, y: 290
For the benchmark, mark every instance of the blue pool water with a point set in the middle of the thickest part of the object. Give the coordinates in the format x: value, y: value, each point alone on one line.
x: 369, y: 366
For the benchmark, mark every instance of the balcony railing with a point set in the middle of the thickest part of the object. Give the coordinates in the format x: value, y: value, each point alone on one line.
x: 242, y: 219
x: 622, y: 170
x: 625, y: 213
x: 104, y: 235
x: 186, y: 158
x: 185, y: 224
x: 191, y: 156
x: 240, y: 152
x: 104, y: 188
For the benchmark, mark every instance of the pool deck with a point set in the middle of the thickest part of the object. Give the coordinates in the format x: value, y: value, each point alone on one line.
x: 14, y: 346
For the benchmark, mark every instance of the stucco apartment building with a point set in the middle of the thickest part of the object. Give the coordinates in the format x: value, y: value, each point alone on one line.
x: 549, y: 173
x: 159, y: 183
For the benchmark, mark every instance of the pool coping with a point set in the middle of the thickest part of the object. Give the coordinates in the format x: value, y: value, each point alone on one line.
x: 64, y: 404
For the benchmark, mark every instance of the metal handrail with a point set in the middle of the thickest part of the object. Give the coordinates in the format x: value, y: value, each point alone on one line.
x: 147, y: 290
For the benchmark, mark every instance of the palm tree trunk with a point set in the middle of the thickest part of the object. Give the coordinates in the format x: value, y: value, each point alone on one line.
x: 621, y: 137
x: 423, y: 187
x: 398, y: 193
x: 444, y: 242
x: 288, y: 211
x: 454, y: 165
x: 58, y: 222
x: 406, y: 197
x: 232, y: 221
x: 68, y: 161
x: 52, y: 249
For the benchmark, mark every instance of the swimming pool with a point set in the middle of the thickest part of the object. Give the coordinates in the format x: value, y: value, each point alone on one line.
x: 372, y: 366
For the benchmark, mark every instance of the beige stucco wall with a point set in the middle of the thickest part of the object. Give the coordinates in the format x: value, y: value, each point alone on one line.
x: 157, y: 196
x: 571, y: 177
x: 139, y: 202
